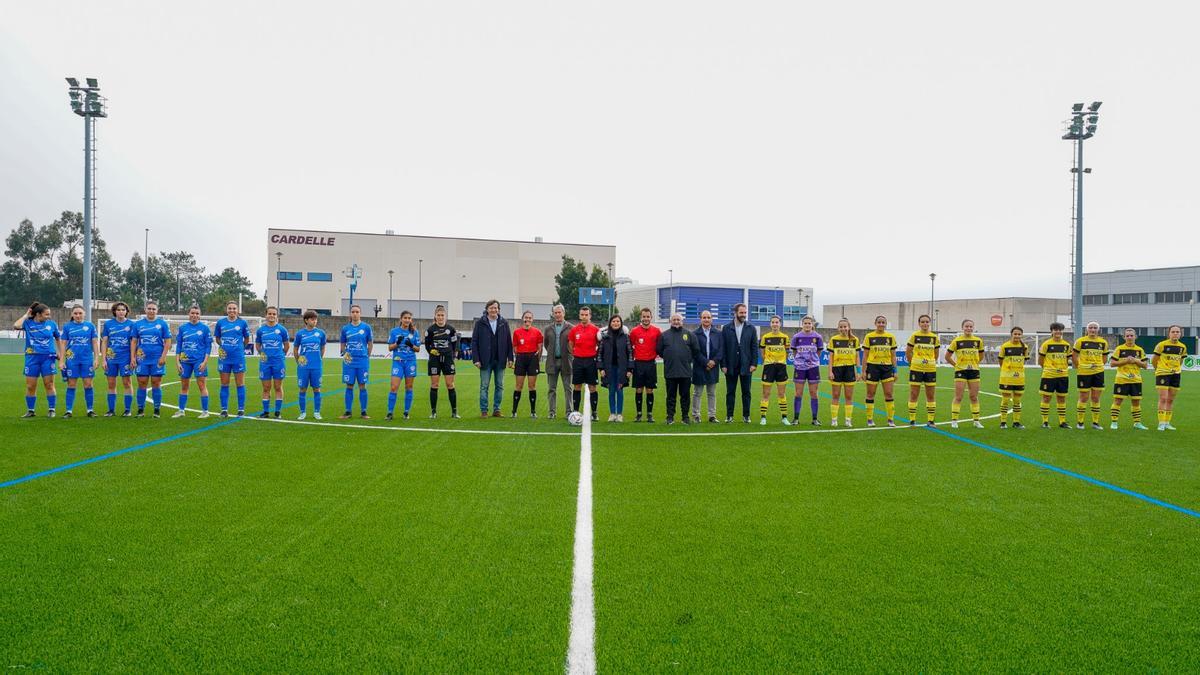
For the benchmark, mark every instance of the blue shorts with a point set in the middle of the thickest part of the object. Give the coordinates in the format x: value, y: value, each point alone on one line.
x: 404, y: 368
x: 150, y: 368
x: 355, y: 372
x: 76, y: 369
x: 271, y: 370
x: 193, y: 369
x: 40, y: 365
x: 117, y: 367
x: 309, y: 377
x: 231, y: 366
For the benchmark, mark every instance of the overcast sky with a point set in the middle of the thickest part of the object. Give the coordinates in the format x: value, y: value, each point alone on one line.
x: 853, y: 147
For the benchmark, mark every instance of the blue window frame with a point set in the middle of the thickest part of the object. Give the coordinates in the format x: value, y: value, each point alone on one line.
x: 320, y: 276
x: 289, y: 276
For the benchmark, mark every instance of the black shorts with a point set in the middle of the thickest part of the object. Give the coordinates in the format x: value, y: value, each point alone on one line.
x: 1133, y: 389
x: 968, y: 374
x: 527, y: 364
x: 774, y: 372
x: 645, y: 374
x: 1055, y: 385
x: 440, y: 365
x: 1167, y: 381
x: 880, y: 372
x: 584, y: 371
x: 1095, y: 381
x: 919, y: 377
x: 843, y: 375
x: 1012, y: 387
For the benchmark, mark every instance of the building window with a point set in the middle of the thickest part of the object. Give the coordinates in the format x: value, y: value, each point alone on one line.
x: 1172, y: 296
x: 289, y: 276
x: 1162, y: 330
x: 320, y: 276
x: 1095, y: 299
x: 792, y: 313
x: 762, y: 312
x: 1130, y: 298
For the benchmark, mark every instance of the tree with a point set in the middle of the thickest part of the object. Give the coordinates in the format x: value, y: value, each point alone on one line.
x: 634, y: 315
x: 191, y: 284
x: 574, y: 276
x: 229, y: 284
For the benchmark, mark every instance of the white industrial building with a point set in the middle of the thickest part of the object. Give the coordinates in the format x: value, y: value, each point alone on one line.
x: 315, y: 270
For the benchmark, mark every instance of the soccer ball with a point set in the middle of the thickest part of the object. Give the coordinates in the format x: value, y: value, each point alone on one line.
x: 575, y: 418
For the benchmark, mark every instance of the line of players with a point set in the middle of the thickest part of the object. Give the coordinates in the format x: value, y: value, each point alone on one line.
x: 126, y: 348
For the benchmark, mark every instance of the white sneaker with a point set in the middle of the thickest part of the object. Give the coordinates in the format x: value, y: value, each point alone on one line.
x: 203, y: 414
x: 302, y: 416
x: 316, y: 416
x: 953, y: 424
x: 978, y: 424
x: 1113, y: 426
x: 787, y: 422
x: 612, y: 418
x: 849, y: 422
x: 178, y: 413
x: 620, y: 418
x: 833, y: 423
x: 870, y: 423
x: 762, y: 421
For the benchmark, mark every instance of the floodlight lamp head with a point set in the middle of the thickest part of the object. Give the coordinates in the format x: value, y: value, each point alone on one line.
x: 1092, y: 119
x: 93, y: 83
x: 1078, y: 107
x: 74, y: 82
x: 1091, y: 129
x: 1095, y: 106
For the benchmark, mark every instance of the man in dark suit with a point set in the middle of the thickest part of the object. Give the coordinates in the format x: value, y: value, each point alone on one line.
x: 492, y: 349
x: 706, y: 370
x: 740, y: 344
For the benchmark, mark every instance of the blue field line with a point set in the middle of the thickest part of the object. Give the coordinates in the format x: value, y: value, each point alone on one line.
x: 116, y: 453
x: 1049, y: 467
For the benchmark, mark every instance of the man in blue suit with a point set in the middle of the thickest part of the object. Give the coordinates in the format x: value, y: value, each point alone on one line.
x: 740, y: 360
x: 706, y: 370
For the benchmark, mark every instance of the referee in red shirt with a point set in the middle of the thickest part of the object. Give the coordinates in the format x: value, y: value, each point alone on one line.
x: 644, y: 338
x: 584, y: 342
x: 527, y: 343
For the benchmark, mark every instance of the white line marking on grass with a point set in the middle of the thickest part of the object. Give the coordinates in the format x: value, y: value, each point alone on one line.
x: 581, y: 645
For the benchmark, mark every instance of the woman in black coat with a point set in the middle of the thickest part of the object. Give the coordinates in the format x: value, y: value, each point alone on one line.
x: 616, y: 360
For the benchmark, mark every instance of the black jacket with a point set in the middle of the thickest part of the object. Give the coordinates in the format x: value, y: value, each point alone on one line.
x: 488, y: 348
x: 678, y: 349
x: 739, y: 356
x: 616, y: 357
x: 716, y: 352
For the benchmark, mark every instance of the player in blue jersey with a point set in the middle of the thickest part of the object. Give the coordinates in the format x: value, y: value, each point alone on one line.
x: 355, y: 347
x: 42, y: 352
x: 150, y: 343
x: 114, y: 354
x: 309, y: 348
x: 232, y: 335
x: 404, y: 342
x: 272, y: 341
x: 80, y: 350
x: 193, y: 340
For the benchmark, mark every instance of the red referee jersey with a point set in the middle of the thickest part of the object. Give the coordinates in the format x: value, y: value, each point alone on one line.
x: 527, y: 340
x: 645, y: 342
x: 584, y: 340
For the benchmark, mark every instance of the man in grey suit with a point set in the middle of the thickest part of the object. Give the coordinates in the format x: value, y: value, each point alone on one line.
x: 558, y: 358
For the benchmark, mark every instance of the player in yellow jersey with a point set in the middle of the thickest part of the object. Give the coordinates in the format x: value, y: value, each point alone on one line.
x: 1054, y: 356
x: 1129, y: 359
x: 880, y: 347
x: 1013, y: 355
x: 921, y: 352
x: 964, y: 353
x: 774, y: 345
x: 1168, y: 363
x: 1088, y: 355
x: 845, y: 368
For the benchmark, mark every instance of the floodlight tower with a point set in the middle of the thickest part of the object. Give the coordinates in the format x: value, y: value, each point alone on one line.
x: 87, y: 102
x: 1082, y: 127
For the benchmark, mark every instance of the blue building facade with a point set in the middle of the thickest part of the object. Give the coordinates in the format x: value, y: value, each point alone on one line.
x: 761, y: 303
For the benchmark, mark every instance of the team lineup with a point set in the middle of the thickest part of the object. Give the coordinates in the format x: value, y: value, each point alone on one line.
x: 586, y: 355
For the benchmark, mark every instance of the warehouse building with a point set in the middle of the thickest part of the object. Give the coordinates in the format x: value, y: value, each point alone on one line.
x: 762, y: 302
x: 388, y: 273
x: 991, y: 315
x: 1149, y: 300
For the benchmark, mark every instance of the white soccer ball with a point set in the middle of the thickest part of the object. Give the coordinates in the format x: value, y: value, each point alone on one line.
x: 575, y: 418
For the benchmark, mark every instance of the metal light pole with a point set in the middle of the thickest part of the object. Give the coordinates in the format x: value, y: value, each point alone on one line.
x: 389, y: 309
x: 178, y: 302
x: 278, y: 278
x: 612, y: 285
x: 420, y: 297
x: 87, y: 102
x: 1079, y: 131
x: 932, y: 276
x: 671, y: 294
x: 146, y: 271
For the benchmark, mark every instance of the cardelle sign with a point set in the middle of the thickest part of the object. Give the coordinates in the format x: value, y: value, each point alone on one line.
x: 303, y: 240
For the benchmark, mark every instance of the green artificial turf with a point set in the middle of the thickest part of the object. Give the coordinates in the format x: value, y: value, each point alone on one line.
x: 265, y: 545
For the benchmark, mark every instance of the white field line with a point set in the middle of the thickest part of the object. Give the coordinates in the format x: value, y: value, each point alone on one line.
x: 630, y: 434
x: 581, y: 645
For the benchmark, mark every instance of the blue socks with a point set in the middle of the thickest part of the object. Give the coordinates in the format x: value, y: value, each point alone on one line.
x: 362, y: 400
x: 241, y: 394
x: 303, y: 397
x: 408, y: 395
x: 52, y: 401
x: 112, y: 402
x: 30, y: 402
x: 70, y: 398
x: 391, y: 402
x: 224, y: 396
x: 266, y: 403
x: 203, y: 403
x: 279, y: 404
x: 89, y: 398
x: 183, y: 401
x: 156, y: 396
x: 316, y: 401
x: 141, y: 398
x: 128, y: 401
x: 349, y: 398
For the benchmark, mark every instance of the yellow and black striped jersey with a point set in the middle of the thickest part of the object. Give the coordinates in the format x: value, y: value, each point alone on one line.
x: 881, y: 348
x: 843, y: 351
x: 968, y: 352
x: 1170, y: 357
x: 1093, y: 354
x: 1056, y: 357
x: 925, y: 347
x: 1013, y: 356
x: 1129, y: 373
x: 774, y: 346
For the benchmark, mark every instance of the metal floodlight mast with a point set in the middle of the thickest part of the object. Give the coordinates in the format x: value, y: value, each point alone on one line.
x: 1078, y: 132
x: 88, y: 104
